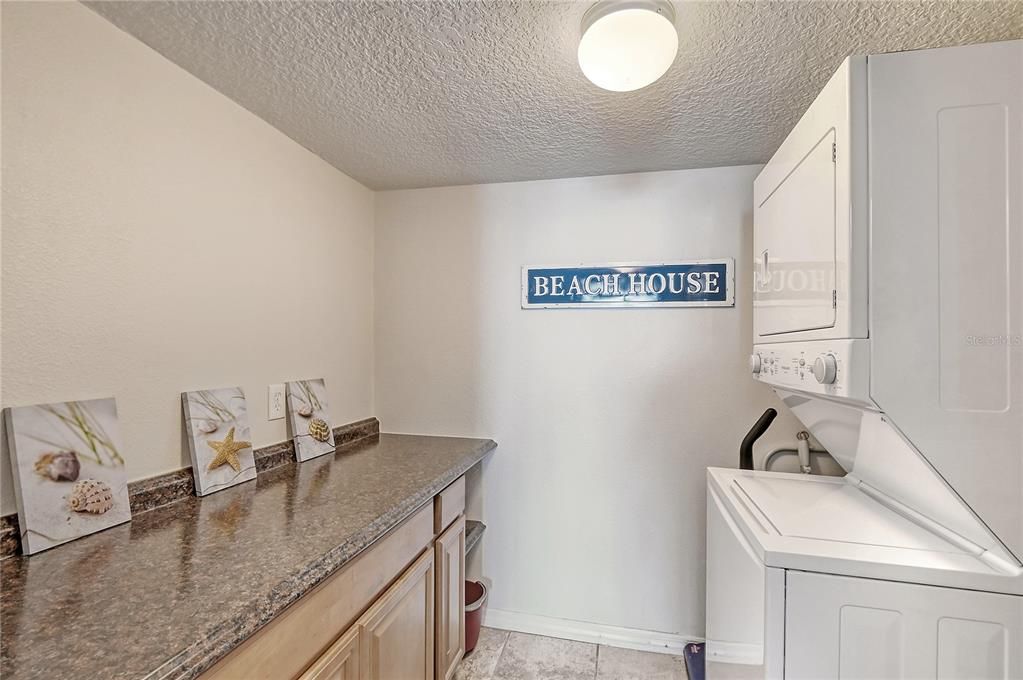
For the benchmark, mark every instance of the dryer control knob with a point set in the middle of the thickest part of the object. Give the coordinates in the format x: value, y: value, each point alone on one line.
x: 755, y: 363
x: 824, y: 369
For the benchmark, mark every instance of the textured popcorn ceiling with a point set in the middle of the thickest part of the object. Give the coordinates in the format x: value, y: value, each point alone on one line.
x: 410, y: 94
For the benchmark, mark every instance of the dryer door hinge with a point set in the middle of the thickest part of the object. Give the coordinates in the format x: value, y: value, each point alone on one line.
x: 834, y: 152
x: 834, y: 298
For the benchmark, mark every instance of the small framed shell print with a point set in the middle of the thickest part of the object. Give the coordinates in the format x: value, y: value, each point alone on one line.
x: 69, y: 473
x: 219, y: 438
x: 309, y: 418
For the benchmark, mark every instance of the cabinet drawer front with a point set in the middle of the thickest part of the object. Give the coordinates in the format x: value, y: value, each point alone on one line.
x: 308, y: 627
x: 448, y: 505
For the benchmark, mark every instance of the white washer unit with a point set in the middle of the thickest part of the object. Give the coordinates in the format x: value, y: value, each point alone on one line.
x: 888, y: 316
x: 815, y: 578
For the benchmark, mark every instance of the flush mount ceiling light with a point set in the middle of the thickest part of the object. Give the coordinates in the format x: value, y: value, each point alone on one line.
x: 627, y: 44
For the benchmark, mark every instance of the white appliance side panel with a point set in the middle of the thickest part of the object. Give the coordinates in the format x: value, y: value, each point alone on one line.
x: 774, y: 623
x: 809, y: 216
x: 736, y: 580
x: 844, y: 627
x: 946, y: 278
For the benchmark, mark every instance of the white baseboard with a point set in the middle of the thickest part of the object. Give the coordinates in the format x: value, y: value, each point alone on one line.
x: 583, y: 631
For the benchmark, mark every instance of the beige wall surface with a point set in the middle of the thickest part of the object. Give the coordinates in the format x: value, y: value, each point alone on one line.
x: 605, y: 419
x: 158, y: 238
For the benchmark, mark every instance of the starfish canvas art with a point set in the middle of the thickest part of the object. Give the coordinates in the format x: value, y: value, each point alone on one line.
x: 219, y: 438
x: 227, y: 452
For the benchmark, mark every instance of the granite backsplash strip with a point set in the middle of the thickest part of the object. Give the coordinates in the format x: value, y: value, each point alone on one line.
x: 10, y: 536
x: 154, y: 492
x: 353, y: 432
x: 172, y: 592
x: 269, y: 457
x: 150, y: 493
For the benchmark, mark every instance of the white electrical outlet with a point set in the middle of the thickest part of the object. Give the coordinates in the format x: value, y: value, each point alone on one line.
x: 275, y: 402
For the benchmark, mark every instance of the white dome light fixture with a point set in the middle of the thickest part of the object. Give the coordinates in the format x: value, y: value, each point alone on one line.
x: 627, y: 44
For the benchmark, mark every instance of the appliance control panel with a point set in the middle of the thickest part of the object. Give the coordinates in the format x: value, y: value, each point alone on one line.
x: 833, y: 368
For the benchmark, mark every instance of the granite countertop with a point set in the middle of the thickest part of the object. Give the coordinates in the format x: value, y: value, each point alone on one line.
x: 173, y: 591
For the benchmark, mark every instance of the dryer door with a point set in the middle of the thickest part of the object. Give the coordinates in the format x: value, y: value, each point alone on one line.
x: 810, y: 221
x: 794, y: 246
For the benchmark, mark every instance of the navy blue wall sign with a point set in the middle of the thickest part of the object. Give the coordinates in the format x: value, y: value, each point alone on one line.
x: 697, y: 283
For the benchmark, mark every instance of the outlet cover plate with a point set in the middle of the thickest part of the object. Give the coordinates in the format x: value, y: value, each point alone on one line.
x: 275, y: 402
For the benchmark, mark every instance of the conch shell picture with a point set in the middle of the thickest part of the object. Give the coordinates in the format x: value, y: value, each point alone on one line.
x: 69, y: 472
x: 309, y: 419
x: 91, y: 495
x: 319, y: 430
x: 60, y: 466
x: 219, y: 439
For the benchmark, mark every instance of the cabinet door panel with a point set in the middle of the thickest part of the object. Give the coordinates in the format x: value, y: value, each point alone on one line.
x: 450, y: 566
x: 340, y: 662
x: 397, y: 633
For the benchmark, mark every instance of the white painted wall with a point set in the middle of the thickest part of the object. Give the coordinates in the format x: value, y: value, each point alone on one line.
x: 605, y: 419
x: 157, y: 237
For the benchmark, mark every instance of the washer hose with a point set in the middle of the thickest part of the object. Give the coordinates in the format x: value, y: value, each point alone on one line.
x: 759, y: 427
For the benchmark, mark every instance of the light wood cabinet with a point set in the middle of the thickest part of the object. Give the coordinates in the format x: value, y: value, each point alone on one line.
x: 450, y: 566
x: 410, y: 590
x: 340, y: 662
x: 448, y: 505
x: 396, y: 634
x: 394, y: 639
x: 308, y: 628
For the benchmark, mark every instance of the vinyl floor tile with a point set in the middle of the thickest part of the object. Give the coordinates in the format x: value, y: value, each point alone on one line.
x: 533, y: 657
x: 480, y: 663
x: 628, y: 664
x: 501, y: 655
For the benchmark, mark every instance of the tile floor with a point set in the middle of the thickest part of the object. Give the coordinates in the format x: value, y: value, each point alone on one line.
x: 501, y: 655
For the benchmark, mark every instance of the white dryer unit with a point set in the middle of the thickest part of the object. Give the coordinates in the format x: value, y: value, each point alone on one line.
x: 888, y: 315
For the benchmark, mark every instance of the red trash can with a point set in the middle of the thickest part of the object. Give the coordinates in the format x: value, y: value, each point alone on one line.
x: 475, y: 605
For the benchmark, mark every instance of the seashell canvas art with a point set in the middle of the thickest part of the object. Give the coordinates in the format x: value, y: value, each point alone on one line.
x: 69, y: 471
x: 219, y: 438
x: 318, y: 429
x: 208, y: 426
x: 62, y: 466
x: 309, y: 419
x: 91, y: 495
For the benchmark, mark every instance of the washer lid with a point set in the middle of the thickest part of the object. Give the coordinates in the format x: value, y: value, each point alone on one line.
x: 829, y: 509
x: 829, y: 526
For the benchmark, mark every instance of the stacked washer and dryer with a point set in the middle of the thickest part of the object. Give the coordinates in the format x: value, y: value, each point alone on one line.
x: 888, y: 316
